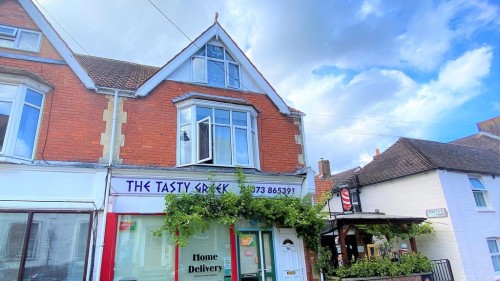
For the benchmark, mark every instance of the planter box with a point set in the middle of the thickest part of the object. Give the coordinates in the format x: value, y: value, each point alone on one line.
x: 413, y: 277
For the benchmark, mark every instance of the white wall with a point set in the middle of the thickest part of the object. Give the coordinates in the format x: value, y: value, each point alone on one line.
x: 473, y: 225
x: 35, y: 187
x: 412, y: 196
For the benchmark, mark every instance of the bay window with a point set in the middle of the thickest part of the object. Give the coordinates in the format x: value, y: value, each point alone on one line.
x: 214, y: 65
x: 217, y: 134
x: 20, y: 114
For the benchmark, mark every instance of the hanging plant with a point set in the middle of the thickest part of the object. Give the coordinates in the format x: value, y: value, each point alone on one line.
x: 188, y: 214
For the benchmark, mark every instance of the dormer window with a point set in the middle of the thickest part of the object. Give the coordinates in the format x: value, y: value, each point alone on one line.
x: 215, y: 133
x: 18, y: 38
x: 214, y: 66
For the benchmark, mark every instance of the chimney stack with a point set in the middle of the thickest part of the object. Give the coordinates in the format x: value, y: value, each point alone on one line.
x: 377, y: 153
x: 324, y: 169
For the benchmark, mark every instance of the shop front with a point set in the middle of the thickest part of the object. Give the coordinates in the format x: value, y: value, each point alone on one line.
x: 246, y: 251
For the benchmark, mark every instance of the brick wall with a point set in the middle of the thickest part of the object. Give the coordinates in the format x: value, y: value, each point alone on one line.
x: 322, y: 187
x: 151, y: 128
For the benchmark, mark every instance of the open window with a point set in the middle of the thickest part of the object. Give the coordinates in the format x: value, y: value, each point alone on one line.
x: 213, y: 133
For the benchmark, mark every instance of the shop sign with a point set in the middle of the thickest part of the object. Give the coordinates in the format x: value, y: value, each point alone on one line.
x: 127, y: 225
x: 346, y: 199
x: 163, y: 186
x: 436, y: 213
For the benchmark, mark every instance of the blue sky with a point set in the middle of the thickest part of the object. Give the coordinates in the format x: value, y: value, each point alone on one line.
x: 364, y: 72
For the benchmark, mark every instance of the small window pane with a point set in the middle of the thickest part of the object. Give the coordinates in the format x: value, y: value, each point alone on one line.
x: 199, y: 70
x: 496, y: 263
x: 493, y: 246
x: 229, y: 57
x: 222, y: 116
x: 12, y: 232
x: 201, y: 52
x: 5, y: 108
x: 185, y: 144
x: 239, y: 118
x: 479, y: 197
x: 204, y: 141
x: 27, y: 132
x: 52, y: 239
x: 215, y: 52
x: 241, y: 143
x: 216, y: 74
x: 476, y: 183
x: 8, y: 92
x: 8, y: 31
x: 6, y: 43
x: 222, y: 145
x: 234, y: 75
x: 186, y: 115
x: 33, y: 97
x: 29, y: 41
x: 203, y: 112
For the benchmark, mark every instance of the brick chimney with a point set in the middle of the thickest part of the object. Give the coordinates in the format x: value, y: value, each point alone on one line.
x: 324, y: 169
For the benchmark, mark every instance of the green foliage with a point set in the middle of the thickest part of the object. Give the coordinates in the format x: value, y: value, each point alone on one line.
x: 407, y: 264
x: 391, y: 231
x: 323, y: 262
x: 187, y: 214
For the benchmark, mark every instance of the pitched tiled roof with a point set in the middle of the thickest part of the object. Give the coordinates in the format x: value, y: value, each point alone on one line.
x: 114, y: 73
x: 481, y: 140
x: 345, y: 177
x: 411, y: 156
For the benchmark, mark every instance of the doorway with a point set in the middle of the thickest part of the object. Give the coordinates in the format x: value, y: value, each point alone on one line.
x: 256, y: 256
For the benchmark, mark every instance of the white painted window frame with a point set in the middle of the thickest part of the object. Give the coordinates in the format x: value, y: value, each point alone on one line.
x: 23, y: 84
x: 17, y: 36
x: 253, y: 147
x: 497, y: 254
x: 484, y: 192
x: 226, y: 62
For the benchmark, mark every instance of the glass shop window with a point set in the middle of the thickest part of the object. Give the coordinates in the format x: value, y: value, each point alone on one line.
x: 207, y: 257
x: 139, y: 254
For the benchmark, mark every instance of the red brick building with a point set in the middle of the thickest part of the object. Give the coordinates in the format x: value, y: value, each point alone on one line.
x: 90, y: 147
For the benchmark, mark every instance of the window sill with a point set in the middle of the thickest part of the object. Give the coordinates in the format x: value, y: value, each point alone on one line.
x: 485, y: 210
x: 14, y: 160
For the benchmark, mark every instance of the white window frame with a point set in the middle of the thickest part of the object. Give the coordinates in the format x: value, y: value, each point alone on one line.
x: 15, y: 37
x: 23, y: 84
x: 483, y: 191
x: 226, y: 62
x: 252, y: 132
x: 494, y: 254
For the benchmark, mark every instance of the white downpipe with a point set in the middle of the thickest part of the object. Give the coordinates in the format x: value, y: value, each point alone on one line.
x: 107, y: 187
x: 113, y: 131
x: 303, y: 133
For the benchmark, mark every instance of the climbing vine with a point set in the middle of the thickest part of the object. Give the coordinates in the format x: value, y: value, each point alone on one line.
x: 188, y: 214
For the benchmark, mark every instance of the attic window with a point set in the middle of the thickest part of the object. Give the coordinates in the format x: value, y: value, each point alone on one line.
x: 18, y: 38
x: 214, y: 65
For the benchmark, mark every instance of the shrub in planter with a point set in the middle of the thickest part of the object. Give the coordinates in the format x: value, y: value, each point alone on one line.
x: 406, y: 265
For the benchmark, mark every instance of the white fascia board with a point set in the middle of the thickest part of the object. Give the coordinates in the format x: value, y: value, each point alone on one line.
x: 261, y: 82
x: 169, y: 68
x: 57, y: 42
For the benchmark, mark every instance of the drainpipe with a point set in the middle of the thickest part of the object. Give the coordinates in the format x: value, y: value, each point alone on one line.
x: 113, y: 131
x: 303, y: 133
x: 108, y: 185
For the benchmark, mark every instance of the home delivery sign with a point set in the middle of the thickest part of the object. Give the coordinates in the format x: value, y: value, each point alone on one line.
x: 162, y: 186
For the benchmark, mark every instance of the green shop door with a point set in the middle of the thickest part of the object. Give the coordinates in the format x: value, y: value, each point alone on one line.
x: 256, y: 256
